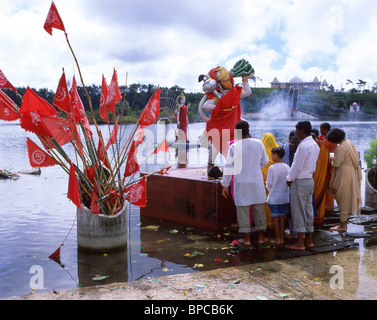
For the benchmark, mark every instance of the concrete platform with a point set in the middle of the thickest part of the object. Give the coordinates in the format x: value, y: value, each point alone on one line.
x: 188, y: 197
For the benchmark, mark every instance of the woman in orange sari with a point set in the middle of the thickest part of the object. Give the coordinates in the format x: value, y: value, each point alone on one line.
x: 269, y: 142
x: 321, y: 178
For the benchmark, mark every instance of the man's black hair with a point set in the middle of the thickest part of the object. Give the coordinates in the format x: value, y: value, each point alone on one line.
x: 325, y: 125
x: 244, y: 127
x: 336, y: 135
x: 305, y: 126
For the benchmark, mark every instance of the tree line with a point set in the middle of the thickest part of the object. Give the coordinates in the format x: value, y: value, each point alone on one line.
x: 328, y: 103
x: 134, y: 98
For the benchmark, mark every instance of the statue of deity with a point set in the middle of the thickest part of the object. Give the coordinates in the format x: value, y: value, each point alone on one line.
x: 222, y: 100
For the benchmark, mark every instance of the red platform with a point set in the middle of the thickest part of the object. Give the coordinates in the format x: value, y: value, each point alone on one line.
x: 187, y: 196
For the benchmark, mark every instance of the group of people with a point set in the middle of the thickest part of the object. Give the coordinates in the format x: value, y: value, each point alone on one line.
x: 269, y: 180
x: 295, y: 179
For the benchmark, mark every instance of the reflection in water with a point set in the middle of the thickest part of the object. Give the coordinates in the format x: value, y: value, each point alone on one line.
x: 111, y: 266
x: 36, y: 216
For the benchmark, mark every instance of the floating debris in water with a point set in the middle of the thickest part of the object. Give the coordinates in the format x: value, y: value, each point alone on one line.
x: 5, y: 174
x: 151, y: 228
x: 98, y: 278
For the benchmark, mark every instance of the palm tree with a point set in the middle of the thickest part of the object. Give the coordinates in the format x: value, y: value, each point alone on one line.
x: 361, y: 84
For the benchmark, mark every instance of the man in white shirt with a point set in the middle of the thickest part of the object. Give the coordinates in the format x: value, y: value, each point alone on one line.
x: 244, y: 161
x: 300, y: 179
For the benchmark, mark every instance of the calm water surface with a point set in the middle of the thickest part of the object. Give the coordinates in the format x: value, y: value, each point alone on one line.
x: 36, y: 216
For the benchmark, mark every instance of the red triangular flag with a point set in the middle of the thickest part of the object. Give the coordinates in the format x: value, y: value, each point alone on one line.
x: 4, y: 83
x: 114, y: 133
x: 102, y: 105
x: 164, y: 171
x: 151, y: 110
x: 132, y: 165
x: 101, y: 151
x: 32, y: 110
x: 114, y: 95
x: 56, y: 256
x: 53, y: 20
x: 139, y: 135
x: 137, y: 193
x: 8, y: 108
x: 56, y: 253
x: 95, y: 207
x: 38, y: 158
x: 75, y: 136
x: 60, y: 130
x: 78, y: 110
x: 61, y: 98
x: 162, y: 147
x: 73, y: 187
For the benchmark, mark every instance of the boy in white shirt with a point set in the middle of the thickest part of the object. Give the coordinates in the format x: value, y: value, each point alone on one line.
x: 278, y: 196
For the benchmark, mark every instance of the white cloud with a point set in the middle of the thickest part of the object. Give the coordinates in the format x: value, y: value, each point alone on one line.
x: 169, y: 42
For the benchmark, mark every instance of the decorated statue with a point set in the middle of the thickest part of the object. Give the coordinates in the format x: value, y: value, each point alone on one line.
x: 222, y: 99
x: 181, y: 117
x: 181, y: 132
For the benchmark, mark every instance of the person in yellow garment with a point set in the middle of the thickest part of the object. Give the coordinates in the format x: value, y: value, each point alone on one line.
x: 346, y: 178
x: 269, y: 143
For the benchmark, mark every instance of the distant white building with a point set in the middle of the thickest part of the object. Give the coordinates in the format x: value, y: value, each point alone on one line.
x: 355, y: 107
x: 297, y: 83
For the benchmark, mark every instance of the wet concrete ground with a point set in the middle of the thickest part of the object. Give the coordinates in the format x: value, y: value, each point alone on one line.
x: 340, y: 266
x: 346, y: 274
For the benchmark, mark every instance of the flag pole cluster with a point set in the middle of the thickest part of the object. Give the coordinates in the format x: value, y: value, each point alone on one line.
x: 95, y: 177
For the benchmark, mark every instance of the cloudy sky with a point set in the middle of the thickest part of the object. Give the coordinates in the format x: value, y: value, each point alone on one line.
x: 170, y: 42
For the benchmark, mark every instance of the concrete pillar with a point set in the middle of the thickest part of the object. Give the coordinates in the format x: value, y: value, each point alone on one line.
x: 98, y: 232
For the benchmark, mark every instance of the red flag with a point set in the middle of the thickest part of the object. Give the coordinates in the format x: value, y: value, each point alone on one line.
x: 139, y: 135
x: 95, y: 207
x: 114, y: 133
x: 38, y: 158
x: 78, y: 110
x: 151, y: 110
x: 164, y: 171
x: 56, y: 253
x: 102, y: 105
x: 114, y: 95
x: 60, y: 130
x: 53, y: 20
x: 75, y: 136
x: 8, y: 108
x: 4, y: 83
x: 32, y: 110
x: 61, y: 98
x: 132, y: 165
x: 101, y: 151
x: 137, y: 193
x: 162, y: 147
x: 73, y: 187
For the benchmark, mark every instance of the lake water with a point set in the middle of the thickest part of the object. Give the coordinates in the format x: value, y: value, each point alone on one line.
x: 36, y: 216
